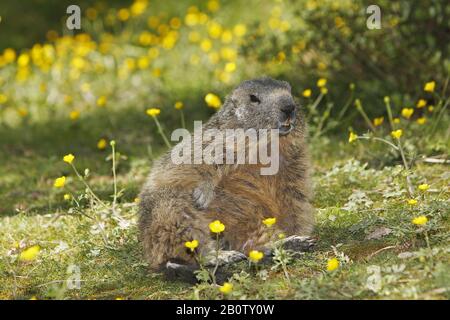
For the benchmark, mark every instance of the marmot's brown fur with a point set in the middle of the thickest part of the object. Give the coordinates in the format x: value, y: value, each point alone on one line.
x: 179, y: 201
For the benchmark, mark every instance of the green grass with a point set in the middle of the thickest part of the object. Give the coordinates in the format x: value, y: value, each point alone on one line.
x: 111, y: 264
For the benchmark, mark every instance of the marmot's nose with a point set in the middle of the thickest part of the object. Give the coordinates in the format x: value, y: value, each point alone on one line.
x: 288, y: 108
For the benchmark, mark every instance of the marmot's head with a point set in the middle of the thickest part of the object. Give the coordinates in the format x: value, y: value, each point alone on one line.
x: 262, y: 103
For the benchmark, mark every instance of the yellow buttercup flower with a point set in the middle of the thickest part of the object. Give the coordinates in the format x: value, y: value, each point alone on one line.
x: 101, y: 144
x: 230, y: 67
x: 352, y: 137
x: 323, y: 90
x: 191, y: 244
x: 69, y: 158
x: 226, y: 288
x: 213, y: 101
x: 412, y: 202
x: 421, y: 103
x: 74, y: 115
x: 397, y: 133
x: 269, y: 221
x: 22, y: 112
x: 420, y: 220
x: 387, y: 99
x: 153, y: 112
x: 421, y: 120
x: 407, y: 112
x: 424, y: 187
x: 396, y: 120
x: 378, y: 121
x: 281, y: 236
x: 216, y: 226
x: 430, y: 108
x: 255, y: 256
x: 321, y: 82
x: 101, y: 101
x: 240, y: 30
x: 67, y: 197
x: 123, y: 14
x: 30, y: 253
x: 9, y: 55
x: 3, y: 98
x: 179, y: 105
x: 59, y: 182
x: 332, y: 264
x: 307, y: 93
x: 429, y: 86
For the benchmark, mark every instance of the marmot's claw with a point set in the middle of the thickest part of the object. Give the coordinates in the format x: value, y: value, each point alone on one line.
x: 226, y: 257
x: 202, y: 197
x: 297, y: 243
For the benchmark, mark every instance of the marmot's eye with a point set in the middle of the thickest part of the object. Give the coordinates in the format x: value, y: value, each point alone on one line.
x: 254, y: 98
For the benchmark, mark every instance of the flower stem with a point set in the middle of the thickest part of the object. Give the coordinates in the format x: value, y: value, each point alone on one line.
x: 161, y: 132
x: 114, y: 175
x: 183, y: 124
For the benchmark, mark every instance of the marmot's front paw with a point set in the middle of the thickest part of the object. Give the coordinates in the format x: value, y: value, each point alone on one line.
x: 226, y: 257
x: 297, y: 243
x: 202, y: 196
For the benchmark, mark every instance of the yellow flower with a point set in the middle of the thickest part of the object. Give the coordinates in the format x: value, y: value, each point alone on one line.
x: 240, y: 30
x: 397, y: 133
x: 424, y: 187
x: 226, y: 288
x: 332, y: 264
x: 206, y: 45
x: 30, y: 253
x: 67, y: 197
x: 378, y: 121
x: 101, y: 144
x: 323, y: 90
x: 216, y: 226
x: 421, y: 103
x: 23, y: 60
x: 255, y: 256
x: 281, y: 236
x: 412, y: 202
x: 430, y: 108
x: 420, y: 220
x: 137, y: 200
x: 69, y: 158
x: 421, y: 120
x: 123, y: 14
x: 213, y: 101
x: 352, y: 137
x: 386, y: 99
x: 396, y: 120
x: 101, y: 101
x: 213, y: 5
x: 3, y: 98
x: 74, y: 115
x: 407, y: 112
x: 321, y: 82
x: 153, y: 112
x: 60, y: 182
x: 191, y: 244
x: 230, y: 67
x: 269, y: 221
x: 179, y: 105
x: 429, y: 86
x: 22, y: 112
x: 9, y: 55
x: 307, y: 93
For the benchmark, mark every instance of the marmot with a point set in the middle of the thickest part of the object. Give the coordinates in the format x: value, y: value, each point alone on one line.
x: 178, y: 202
